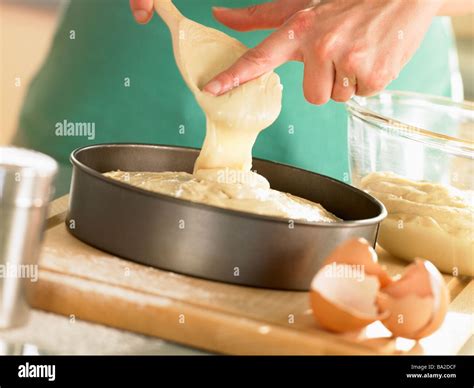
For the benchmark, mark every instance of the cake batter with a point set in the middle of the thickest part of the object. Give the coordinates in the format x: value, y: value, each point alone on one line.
x: 426, y: 220
x: 233, y: 120
x: 222, y: 173
x: 236, y: 196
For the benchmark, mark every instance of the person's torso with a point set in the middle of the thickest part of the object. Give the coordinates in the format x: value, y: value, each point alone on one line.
x: 120, y: 79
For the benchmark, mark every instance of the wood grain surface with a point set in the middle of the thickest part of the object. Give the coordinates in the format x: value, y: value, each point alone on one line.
x: 79, y: 280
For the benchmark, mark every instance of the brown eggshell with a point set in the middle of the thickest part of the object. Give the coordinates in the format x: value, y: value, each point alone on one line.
x: 358, y: 251
x: 335, y: 318
x: 414, y: 280
x: 416, y: 303
x: 444, y: 300
x: 344, y: 304
x: 407, y: 315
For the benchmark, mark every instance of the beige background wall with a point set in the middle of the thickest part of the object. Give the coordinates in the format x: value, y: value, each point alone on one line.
x: 25, y: 34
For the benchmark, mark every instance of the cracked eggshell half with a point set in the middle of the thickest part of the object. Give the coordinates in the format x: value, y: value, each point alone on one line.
x: 344, y: 292
x: 416, y: 304
x: 359, y: 252
x: 346, y: 303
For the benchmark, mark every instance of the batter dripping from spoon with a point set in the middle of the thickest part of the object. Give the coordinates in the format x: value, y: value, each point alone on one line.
x: 222, y: 173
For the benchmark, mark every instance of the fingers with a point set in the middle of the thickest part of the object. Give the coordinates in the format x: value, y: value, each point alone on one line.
x: 142, y: 10
x: 344, y: 86
x: 264, y: 16
x: 278, y: 48
x: 318, y: 80
x: 372, y: 81
x: 334, y: 67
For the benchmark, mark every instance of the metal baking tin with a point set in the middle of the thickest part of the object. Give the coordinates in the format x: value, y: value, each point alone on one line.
x: 206, y: 241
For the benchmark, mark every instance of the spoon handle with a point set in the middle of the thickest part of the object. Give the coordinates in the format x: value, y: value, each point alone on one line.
x: 169, y: 13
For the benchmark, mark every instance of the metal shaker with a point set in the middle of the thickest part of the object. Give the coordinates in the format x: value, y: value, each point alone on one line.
x: 26, y: 186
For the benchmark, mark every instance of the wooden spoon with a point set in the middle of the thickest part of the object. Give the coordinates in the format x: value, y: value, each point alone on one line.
x: 200, y: 52
x: 235, y: 118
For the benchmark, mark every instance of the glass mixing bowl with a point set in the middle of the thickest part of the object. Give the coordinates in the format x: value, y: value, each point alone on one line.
x: 417, y: 136
x: 428, y: 142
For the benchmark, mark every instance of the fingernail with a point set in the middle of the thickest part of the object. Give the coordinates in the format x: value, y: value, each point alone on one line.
x: 140, y: 15
x: 213, y: 87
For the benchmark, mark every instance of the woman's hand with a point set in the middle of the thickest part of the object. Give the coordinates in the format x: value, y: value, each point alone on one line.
x: 348, y: 46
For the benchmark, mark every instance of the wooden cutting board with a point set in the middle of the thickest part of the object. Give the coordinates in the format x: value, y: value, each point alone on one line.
x: 81, y: 281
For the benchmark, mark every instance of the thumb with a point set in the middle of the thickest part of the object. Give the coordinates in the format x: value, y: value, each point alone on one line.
x: 268, y: 55
x: 142, y: 10
x: 258, y: 17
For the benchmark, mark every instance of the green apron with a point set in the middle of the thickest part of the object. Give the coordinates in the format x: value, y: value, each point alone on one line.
x: 120, y: 79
